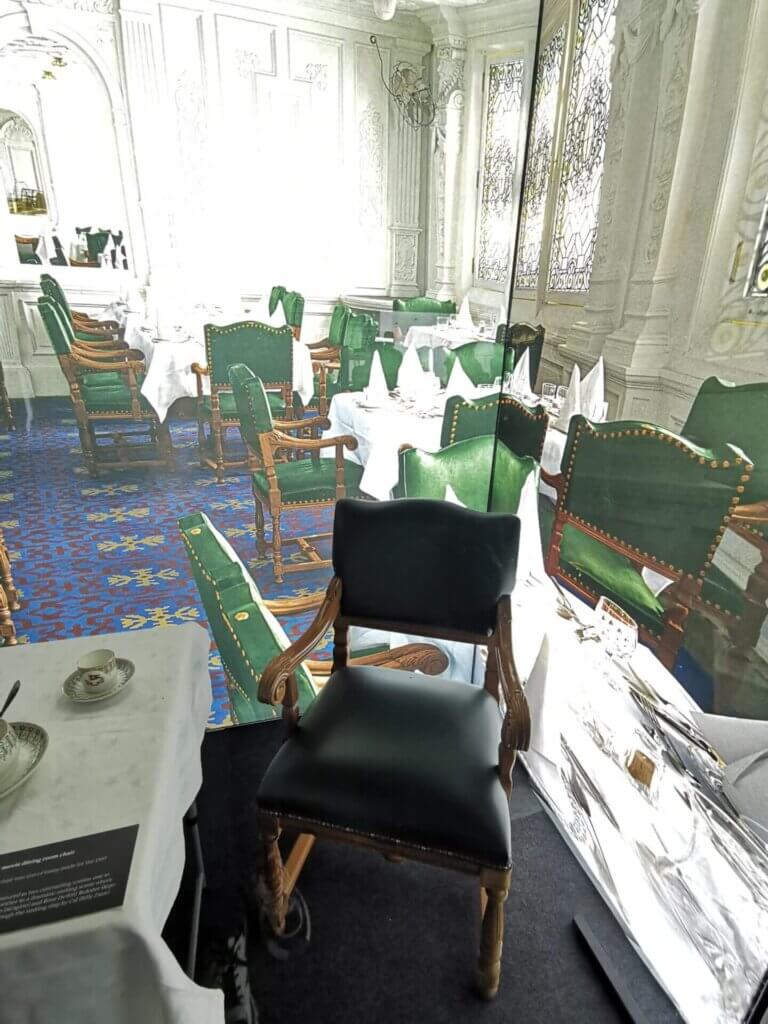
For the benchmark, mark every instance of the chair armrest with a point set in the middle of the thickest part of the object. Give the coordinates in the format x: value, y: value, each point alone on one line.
x: 278, y: 674
x: 120, y: 351
x: 755, y: 514
x: 426, y: 658
x: 318, y: 344
x: 321, y: 358
x: 79, y: 361
x: 279, y: 440
x: 295, y: 605
x: 554, y: 480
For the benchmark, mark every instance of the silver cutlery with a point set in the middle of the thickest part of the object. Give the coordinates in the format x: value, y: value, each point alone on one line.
x: 11, y: 697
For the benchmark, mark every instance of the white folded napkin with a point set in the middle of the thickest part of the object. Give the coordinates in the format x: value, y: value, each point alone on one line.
x: 459, y: 383
x: 377, y: 390
x: 464, y: 318
x: 41, y: 250
x: 733, y: 738
x: 521, y: 375
x: 410, y: 376
x: 572, y: 403
x: 544, y: 703
x: 593, y: 392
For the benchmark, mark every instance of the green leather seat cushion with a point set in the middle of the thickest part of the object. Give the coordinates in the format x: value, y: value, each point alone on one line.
x: 395, y: 754
x: 110, y: 398
x: 310, y: 480
x: 229, y: 411
x: 607, y: 573
x: 109, y: 378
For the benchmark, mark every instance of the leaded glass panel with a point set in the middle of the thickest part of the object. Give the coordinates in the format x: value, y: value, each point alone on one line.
x: 539, y: 161
x: 497, y: 208
x: 758, y: 277
x: 578, y: 200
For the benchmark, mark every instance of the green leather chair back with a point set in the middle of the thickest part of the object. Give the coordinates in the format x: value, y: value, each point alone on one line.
x: 522, y: 427
x: 252, y: 405
x: 276, y: 297
x: 650, y: 489
x: 465, y: 418
x: 737, y: 414
x: 521, y: 336
x: 338, y: 326
x: 360, y: 331
x: 97, y: 243
x: 58, y: 330
x: 26, y: 252
x: 293, y: 307
x: 51, y: 287
x: 423, y: 304
x: 268, y: 351
x: 246, y: 633
x: 356, y: 365
x: 482, y: 361
x: 466, y: 468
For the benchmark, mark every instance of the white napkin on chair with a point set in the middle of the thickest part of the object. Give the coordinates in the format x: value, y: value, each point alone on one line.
x: 410, y: 377
x: 521, y: 375
x: 459, y: 383
x: 464, y: 318
x: 377, y: 390
x: 41, y: 250
x: 572, y: 403
x: 593, y: 392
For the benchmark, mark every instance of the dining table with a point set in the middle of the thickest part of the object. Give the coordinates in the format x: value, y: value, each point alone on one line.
x: 169, y: 375
x: 132, y: 760
x: 443, y: 336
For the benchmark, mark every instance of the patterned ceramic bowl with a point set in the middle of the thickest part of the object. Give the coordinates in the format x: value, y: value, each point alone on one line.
x: 9, y: 747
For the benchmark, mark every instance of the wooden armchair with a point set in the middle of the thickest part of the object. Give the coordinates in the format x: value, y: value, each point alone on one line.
x: 521, y: 336
x: 634, y: 495
x: 522, y: 427
x: 464, y: 418
x: 268, y: 352
x: 104, y: 387
x: 303, y: 482
x: 402, y: 764
x: 84, y: 327
x: 248, y: 634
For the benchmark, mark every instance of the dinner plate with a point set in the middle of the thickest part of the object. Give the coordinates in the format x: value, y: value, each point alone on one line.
x: 33, y: 743
x: 76, y: 690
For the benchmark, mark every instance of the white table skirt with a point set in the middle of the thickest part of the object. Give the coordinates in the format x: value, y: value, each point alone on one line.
x: 379, y: 433
x: 169, y: 370
x: 441, y: 337
x: 134, y: 759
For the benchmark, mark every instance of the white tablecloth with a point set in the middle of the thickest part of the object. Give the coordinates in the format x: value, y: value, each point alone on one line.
x: 379, y: 433
x: 134, y: 759
x: 169, y: 370
x: 442, y: 337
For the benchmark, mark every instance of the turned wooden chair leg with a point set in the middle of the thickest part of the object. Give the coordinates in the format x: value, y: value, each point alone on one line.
x: 7, y: 628
x: 491, y: 939
x: 272, y: 892
x: 6, y: 577
x: 261, y: 543
x: 277, y: 549
x: 165, y: 444
x: 202, y: 443
x: 218, y: 448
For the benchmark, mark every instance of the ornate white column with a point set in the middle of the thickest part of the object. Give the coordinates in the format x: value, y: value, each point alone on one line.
x: 445, y: 163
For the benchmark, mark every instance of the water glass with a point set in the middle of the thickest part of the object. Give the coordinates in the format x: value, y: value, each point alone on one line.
x: 562, y: 393
x: 549, y: 393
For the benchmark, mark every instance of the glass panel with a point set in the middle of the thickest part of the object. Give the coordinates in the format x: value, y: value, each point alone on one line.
x: 497, y: 208
x: 539, y: 161
x: 573, y: 242
x: 758, y: 278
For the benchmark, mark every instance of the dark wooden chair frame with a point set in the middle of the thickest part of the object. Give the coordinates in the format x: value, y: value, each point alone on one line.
x: 679, y: 599
x: 5, y: 403
x: 278, y: 687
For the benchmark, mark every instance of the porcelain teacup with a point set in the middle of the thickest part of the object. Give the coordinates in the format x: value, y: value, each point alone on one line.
x: 9, y: 747
x: 97, y: 670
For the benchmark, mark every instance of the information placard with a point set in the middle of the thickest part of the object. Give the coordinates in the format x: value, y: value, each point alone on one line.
x: 69, y: 879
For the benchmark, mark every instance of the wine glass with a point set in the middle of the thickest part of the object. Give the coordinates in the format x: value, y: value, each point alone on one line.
x: 549, y: 394
x: 561, y: 395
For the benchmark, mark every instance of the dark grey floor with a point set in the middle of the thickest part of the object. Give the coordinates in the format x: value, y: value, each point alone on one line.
x: 396, y: 942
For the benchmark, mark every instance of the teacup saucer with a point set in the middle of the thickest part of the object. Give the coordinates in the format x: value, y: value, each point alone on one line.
x: 33, y: 743
x: 76, y: 690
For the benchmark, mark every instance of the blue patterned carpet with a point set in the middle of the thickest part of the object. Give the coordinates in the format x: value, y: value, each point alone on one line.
x: 99, y: 555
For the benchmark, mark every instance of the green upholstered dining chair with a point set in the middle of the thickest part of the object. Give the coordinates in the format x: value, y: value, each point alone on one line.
x: 26, y: 247
x: 303, y: 482
x: 400, y: 764
x: 466, y: 467
x: 723, y: 412
x: 358, y: 343
x: 248, y: 633
x: 104, y: 388
x: 293, y: 307
x: 276, y: 297
x: 423, y: 304
x: 464, y: 418
x: 634, y: 495
x: 482, y: 361
x: 521, y: 336
x: 355, y: 369
x: 268, y: 351
x: 84, y: 327
x: 329, y: 347
x: 522, y: 427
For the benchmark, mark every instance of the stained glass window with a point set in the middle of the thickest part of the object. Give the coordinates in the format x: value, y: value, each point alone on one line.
x: 758, y: 277
x: 497, y: 207
x: 578, y: 200
x: 539, y: 161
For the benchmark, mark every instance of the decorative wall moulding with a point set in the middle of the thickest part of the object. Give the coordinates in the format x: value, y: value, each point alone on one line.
x: 86, y: 6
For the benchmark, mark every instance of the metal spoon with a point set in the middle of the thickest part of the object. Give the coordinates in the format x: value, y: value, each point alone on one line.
x: 11, y: 697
